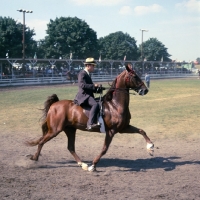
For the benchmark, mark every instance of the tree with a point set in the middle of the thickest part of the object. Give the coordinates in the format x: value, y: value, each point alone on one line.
x: 67, y: 35
x: 198, y: 60
x: 11, y: 39
x: 155, y: 50
x: 117, y: 45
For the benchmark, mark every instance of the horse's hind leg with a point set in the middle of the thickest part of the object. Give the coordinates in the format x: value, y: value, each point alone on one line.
x: 132, y: 129
x: 42, y: 141
x: 71, y: 135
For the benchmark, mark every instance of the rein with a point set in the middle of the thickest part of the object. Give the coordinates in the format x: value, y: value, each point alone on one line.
x: 127, y: 81
x: 122, y: 90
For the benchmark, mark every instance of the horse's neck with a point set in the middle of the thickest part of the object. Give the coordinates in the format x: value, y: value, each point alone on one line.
x: 121, y: 94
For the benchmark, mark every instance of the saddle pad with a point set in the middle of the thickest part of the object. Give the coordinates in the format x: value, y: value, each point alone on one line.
x: 102, y: 125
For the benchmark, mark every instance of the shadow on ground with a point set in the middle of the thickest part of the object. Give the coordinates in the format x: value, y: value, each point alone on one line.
x: 167, y: 164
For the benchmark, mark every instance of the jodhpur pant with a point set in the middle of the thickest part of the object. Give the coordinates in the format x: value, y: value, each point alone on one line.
x: 94, y: 110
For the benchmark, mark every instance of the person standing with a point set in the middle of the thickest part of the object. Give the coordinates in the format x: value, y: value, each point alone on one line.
x: 199, y: 73
x: 86, y: 91
x: 147, y: 80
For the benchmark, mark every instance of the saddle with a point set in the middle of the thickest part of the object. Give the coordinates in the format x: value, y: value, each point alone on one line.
x: 100, y: 114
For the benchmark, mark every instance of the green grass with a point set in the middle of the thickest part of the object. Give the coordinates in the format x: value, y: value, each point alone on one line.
x: 170, y: 109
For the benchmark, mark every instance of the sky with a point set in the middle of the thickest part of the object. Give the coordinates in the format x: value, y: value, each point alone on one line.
x: 175, y: 23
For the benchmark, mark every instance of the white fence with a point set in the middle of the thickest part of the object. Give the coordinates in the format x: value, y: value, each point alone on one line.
x: 17, y: 71
x: 64, y: 80
x: 47, y: 80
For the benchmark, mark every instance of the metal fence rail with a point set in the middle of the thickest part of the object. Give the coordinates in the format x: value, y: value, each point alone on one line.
x: 64, y: 80
x: 17, y: 71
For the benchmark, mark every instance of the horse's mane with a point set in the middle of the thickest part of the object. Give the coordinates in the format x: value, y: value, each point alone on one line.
x: 109, y: 94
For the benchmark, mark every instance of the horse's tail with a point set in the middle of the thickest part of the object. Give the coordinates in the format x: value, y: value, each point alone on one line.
x: 47, y: 104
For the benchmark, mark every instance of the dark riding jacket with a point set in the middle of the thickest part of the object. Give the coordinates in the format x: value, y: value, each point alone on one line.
x: 86, y: 88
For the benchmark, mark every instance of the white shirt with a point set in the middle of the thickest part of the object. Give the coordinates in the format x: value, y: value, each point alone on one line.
x: 87, y: 71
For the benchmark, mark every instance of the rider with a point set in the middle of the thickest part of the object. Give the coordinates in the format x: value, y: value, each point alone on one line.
x: 85, y: 93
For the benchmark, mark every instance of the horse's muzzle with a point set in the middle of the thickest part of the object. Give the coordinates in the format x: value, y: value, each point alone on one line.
x: 143, y: 91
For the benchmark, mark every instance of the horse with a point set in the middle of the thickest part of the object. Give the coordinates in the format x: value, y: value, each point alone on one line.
x: 67, y: 116
x: 72, y: 76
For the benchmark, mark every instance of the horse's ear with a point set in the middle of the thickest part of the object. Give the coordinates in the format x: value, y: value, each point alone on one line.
x: 129, y: 67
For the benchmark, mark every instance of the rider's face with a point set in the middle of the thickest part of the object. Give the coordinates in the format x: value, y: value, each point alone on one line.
x: 90, y: 67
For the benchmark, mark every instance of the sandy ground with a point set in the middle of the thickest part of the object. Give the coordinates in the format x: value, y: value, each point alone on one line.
x: 127, y: 171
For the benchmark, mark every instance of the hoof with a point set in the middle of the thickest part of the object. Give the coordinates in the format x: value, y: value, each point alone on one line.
x: 92, y: 168
x: 83, y: 165
x: 150, y: 148
x: 28, y: 156
x: 151, y: 152
x: 31, y: 157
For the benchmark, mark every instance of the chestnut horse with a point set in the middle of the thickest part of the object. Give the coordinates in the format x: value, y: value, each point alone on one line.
x: 65, y: 115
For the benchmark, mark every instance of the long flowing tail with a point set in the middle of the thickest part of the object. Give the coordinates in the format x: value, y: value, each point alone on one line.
x: 47, y: 104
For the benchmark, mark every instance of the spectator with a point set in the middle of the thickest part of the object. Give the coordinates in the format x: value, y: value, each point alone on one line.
x: 147, y: 80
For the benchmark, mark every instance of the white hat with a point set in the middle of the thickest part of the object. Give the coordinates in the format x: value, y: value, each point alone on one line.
x: 90, y: 61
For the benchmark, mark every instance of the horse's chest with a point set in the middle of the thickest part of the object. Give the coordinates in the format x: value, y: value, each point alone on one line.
x: 117, y: 119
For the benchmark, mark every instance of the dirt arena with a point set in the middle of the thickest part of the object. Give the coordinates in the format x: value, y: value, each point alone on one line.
x: 127, y: 171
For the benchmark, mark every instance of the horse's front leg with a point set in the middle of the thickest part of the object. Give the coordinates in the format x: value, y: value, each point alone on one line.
x: 132, y: 129
x: 106, y: 145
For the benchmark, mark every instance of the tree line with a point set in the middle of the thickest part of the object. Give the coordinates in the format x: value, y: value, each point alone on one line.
x: 72, y: 38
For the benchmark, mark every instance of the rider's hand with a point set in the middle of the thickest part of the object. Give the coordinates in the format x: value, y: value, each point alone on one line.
x: 99, y: 86
x: 96, y: 85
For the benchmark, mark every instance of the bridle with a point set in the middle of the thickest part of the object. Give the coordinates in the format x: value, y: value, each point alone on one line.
x: 131, y: 74
x: 128, y: 78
